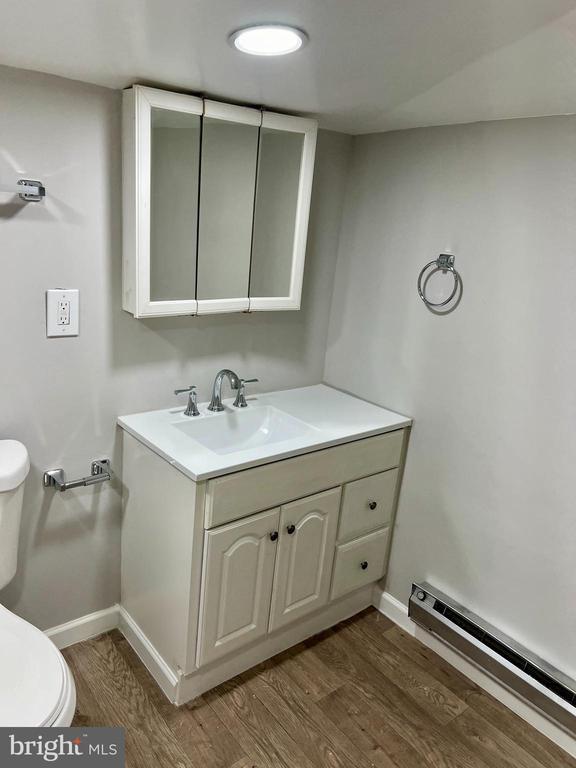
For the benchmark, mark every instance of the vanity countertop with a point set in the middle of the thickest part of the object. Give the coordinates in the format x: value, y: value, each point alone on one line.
x: 274, y: 426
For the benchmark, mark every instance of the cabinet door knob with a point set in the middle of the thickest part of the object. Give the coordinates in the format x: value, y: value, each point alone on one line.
x: 273, y: 535
x: 290, y: 528
x: 364, y: 564
x: 372, y: 504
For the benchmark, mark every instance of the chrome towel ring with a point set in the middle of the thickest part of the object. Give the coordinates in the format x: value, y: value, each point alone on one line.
x: 444, y: 263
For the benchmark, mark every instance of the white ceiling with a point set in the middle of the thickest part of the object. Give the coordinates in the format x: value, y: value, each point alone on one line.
x: 371, y: 65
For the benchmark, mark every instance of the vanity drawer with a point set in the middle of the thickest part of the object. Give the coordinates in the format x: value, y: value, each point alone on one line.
x: 367, y: 504
x: 359, y: 562
x: 233, y: 496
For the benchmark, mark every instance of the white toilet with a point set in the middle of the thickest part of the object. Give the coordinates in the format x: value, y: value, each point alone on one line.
x: 36, y: 686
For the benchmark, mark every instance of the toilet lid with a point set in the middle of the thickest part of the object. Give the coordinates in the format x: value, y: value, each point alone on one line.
x: 32, y: 674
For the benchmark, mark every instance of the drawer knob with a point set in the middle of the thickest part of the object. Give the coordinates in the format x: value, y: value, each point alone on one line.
x: 364, y: 564
x: 273, y: 535
x: 290, y: 528
x: 372, y: 504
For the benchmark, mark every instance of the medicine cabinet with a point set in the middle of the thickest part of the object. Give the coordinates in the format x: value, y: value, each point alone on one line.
x: 216, y: 199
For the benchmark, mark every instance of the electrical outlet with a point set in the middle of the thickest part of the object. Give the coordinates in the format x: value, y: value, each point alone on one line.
x: 62, y: 312
x: 63, y: 317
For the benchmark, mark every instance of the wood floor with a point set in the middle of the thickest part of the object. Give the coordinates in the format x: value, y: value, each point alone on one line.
x: 362, y: 695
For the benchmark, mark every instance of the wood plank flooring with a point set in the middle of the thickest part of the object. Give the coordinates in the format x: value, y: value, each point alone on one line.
x: 361, y: 695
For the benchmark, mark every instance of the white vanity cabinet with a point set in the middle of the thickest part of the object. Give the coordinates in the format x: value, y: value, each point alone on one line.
x: 222, y: 573
x: 216, y: 200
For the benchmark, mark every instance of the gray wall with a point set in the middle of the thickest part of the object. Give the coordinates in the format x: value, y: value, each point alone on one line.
x: 487, y: 511
x: 61, y: 396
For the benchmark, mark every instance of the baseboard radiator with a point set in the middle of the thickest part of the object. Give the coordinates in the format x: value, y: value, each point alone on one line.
x: 538, y: 683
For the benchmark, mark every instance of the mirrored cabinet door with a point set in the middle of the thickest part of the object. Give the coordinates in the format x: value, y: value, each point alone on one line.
x: 285, y: 171
x: 175, y: 164
x: 227, y: 187
x: 161, y: 162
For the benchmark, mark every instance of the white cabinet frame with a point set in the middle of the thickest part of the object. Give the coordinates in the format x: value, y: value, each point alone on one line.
x: 136, y: 172
x: 309, y: 129
x: 232, y: 113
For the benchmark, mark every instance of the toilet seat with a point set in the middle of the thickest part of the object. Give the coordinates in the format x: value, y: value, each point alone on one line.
x: 36, y: 687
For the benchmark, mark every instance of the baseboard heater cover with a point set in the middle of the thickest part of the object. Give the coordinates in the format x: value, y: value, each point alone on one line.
x: 520, y: 670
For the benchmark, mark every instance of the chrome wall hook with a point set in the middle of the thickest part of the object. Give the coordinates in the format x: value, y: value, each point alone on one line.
x: 100, y: 471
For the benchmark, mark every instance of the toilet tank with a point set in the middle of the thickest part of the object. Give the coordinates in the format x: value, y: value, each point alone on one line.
x: 14, y: 467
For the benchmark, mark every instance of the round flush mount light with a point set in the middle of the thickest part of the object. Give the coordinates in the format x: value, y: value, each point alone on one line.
x: 268, y: 39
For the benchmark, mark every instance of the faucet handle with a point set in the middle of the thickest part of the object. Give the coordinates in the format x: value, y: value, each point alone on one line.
x: 240, y: 401
x: 185, y: 389
x: 192, y: 407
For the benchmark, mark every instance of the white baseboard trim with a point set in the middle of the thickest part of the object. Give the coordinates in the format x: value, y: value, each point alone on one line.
x: 84, y: 628
x: 149, y: 656
x: 397, y: 612
x: 180, y: 689
x: 116, y: 617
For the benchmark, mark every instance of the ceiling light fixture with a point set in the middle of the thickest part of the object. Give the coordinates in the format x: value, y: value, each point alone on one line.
x: 268, y: 39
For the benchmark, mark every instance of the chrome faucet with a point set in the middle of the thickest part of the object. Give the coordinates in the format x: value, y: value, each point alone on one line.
x: 216, y: 401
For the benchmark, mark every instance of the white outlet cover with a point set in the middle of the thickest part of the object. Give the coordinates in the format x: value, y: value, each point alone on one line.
x: 62, y: 312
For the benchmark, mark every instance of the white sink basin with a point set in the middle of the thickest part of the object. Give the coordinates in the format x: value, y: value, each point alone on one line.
x: 274, y: 426
x: 241, y: 430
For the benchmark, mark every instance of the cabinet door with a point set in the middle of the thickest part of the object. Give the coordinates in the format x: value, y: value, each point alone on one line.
x: 285, y: 170
x: 228, y: 182
x: 237, y: 574
x: 305, y: 556
x: 160, y: 167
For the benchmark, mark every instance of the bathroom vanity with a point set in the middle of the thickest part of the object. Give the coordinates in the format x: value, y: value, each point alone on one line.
x: 246, y: 531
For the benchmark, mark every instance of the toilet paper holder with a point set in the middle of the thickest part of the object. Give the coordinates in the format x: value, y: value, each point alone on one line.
x: 100, y: 471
